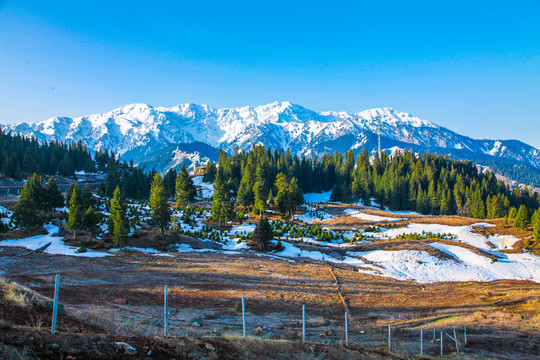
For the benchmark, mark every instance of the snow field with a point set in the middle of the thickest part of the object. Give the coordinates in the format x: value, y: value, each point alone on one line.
x: 57, y: 246
x: 363, y: 216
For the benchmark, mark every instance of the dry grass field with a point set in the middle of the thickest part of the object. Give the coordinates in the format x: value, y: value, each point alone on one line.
x: 123, y: 296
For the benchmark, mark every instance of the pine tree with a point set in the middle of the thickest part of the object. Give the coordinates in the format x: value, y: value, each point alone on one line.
x: 270, y: 198
x: 91, y: 221
x: 263, y: 234
x: 53, y: 196
x: 505, y: 221
x: 245, y: 192
x: 169, y: 182
x: 521, y: 218
x: 86, y: 197
x: 260, y: 198
x: 118, y: 219
x: 27, y: 212
x: 75, y: 216
x: 160, y: 211
x: 536, y: 231
x: 478, y: 208
x: 512, y: 212
x: 185, y: 189
x: 221, y: 205
x: 71, y: 188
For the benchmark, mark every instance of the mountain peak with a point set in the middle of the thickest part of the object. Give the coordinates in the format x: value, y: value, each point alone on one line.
x: 137, y: 129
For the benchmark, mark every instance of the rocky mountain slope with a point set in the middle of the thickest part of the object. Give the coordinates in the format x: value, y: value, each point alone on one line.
x: 191, y: 134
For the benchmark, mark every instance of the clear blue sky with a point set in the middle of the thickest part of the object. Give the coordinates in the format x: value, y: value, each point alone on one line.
x: 472, y: 66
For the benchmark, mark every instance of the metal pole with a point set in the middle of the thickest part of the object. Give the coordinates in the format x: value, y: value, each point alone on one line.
x: 465, y: 333
x: 55, y: 304
x: 441, y: 343
x: 244, y: 315
x: 166, y: 312
x: 303, y: 323
x: 346, y: 328
x: 421, y: 341
x: 389, y: 337
x: 455, y: 339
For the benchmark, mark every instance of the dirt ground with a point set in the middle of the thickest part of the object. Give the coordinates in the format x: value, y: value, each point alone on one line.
x: 120, y: 299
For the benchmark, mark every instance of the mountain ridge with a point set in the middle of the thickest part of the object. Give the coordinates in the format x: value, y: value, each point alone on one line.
x: 137, y: 131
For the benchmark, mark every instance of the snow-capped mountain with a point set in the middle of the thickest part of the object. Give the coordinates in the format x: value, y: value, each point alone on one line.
x: 165, y: 137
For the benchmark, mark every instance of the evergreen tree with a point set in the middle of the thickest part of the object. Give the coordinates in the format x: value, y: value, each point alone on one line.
x: 260, y: 198
x: 221, y: 206
x: 521, y: 218
x: 536, y: 231
x: 169, y: 181
x: 70, y: 191
x: 118, y: 219
x: 478, y: 208
x: 27, y: 212
x: 91, y: 222
x: 185, y: 189
x: 505, y: 221
x: 53, y: 196
x: 160, y: 211
x: 86, y: 198
x: 75, y: 216
x: 288, y: 195
x: 245, y: 192
x: 263, y: 234
x: 210, y: 172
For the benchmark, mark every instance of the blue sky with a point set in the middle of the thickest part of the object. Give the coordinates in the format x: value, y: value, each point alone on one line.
x: 472, y: 66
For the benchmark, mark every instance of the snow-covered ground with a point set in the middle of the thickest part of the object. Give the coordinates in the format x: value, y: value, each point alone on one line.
x: 503, y: 242
x: 463, y: 234
x: 207, y: 189
x: 463, y: 264
x: 57, y: 246
x: 360, y: 215
x: 313, y: 214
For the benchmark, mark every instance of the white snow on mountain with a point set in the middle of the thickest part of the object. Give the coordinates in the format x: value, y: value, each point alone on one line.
x: 140, y: 131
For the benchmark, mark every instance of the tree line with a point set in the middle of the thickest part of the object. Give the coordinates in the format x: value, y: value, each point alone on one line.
x: 21, y: 156
x: 427, y: 183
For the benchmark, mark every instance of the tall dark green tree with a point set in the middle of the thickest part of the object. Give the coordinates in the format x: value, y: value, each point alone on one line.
x: 75, y: 214
x: 185, y: 189
x: 53, y: 196
x: 263, y: 234
x: 27, y: 212
x: 91, y: 221
x: 221, y: 205
x: 118, y: 221
x: 160, y: 210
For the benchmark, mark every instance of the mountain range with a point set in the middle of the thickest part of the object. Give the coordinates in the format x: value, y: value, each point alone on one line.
x: 191, y: 134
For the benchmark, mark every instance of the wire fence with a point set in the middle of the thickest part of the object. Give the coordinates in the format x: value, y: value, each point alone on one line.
x: 162, y: 319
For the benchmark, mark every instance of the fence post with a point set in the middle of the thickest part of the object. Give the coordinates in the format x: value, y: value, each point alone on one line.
x: 55, y: 304
x: 166, y: 312
x: 455, y: 339
x: 389, y: 337
x: 346, y: 328
x: 421, y: 341
x: 441, y: 343
x: 303, y: 323
x: 244, y: 315
x: 465, y: 333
